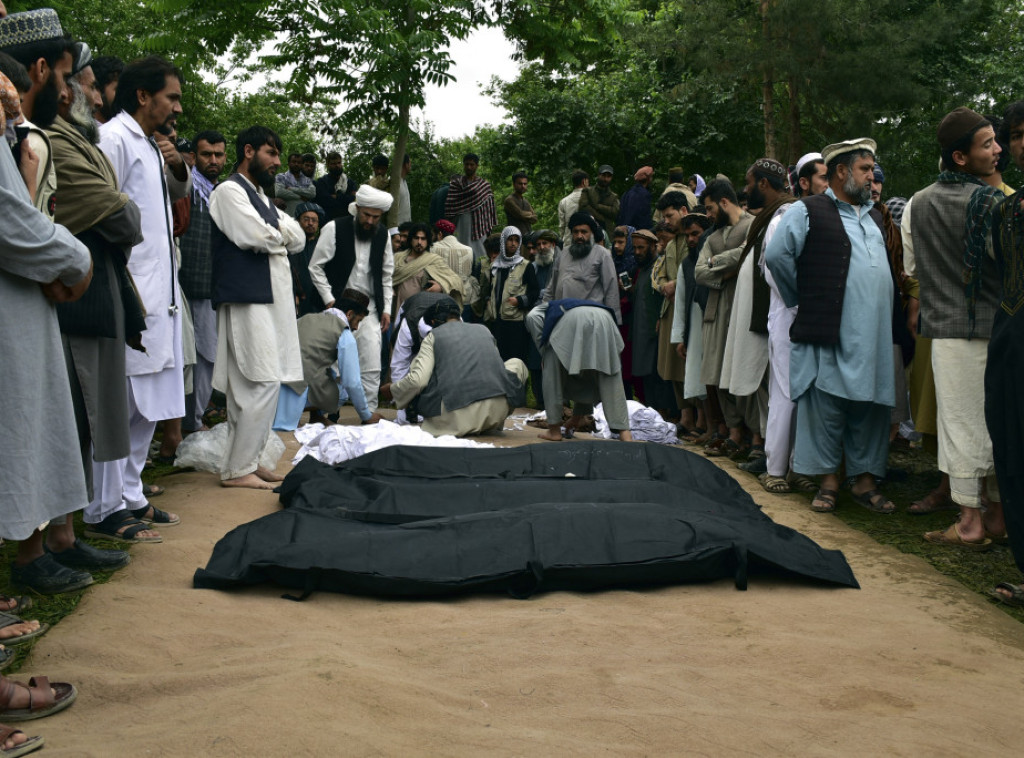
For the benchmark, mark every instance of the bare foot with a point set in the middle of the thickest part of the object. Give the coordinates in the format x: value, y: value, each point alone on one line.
x: 16, y: 738
x: 626, y: 436
x: 9, y: 604
x: 251, y: 481
x: 16, y: 630
x: 553, y: 434
x: 268, y: 476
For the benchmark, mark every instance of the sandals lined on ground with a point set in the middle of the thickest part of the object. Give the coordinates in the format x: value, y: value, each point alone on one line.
x: 26, y: 747
x: 801, y: 483
x: 827, y: 500
x: 41, y: 700
x: 1016, y: 597
x: 874, y: 501
x: 110, y: 528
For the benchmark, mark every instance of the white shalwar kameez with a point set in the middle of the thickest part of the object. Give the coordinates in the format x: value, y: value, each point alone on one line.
x: 257, y: 343
x: 156, y: 388
x: 778, y: 440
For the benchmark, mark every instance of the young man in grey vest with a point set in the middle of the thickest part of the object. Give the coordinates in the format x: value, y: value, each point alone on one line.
x: 959, y: 296
x: 828, y: 257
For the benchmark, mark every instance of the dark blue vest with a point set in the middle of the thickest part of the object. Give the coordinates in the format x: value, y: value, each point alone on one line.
x: 242, y: 276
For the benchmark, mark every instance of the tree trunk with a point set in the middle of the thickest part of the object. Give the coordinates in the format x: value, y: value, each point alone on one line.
x: 768, y: 85
x: 397, y: 158
x: 796, y: 136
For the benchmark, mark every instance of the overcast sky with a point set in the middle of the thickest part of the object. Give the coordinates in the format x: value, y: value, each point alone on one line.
x: 459, y: 108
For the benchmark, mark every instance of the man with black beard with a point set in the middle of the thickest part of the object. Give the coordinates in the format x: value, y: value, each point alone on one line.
x: 94, y: 330
x: 148, y: 103
x: 107, y: 70
x: 335, y: 191
x: 48, y: 62
x: 257, y: 338
x: 716, y: 268
x: 354, y: 253
x: 310, y: 217
x: 196, y: 273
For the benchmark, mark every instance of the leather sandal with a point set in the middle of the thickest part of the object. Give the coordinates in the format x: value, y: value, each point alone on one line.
x: 159, y: 517
x: 42, y: 701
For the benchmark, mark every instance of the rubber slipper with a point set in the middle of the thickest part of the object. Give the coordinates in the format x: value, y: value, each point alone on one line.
x: 867, y: 500
x: 108, y: 529
x: 42, y: 702
x: 951, y: 538
x: 26, y: 747
x: 21, y: 604
x: 153, y: 490
x: 1016, y: 598
x: 159, y: 517
x: 999, y: 539
x: 7, y: 619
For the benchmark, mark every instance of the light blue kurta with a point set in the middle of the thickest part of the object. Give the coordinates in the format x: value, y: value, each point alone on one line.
x: 860, y: 367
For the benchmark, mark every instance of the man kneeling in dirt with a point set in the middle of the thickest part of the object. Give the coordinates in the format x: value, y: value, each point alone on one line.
x: 462, y: 384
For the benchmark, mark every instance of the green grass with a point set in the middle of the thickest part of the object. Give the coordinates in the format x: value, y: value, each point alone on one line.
x: 977, y: 571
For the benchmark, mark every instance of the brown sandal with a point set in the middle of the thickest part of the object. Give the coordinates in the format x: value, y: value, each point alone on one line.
x: 41, y: 700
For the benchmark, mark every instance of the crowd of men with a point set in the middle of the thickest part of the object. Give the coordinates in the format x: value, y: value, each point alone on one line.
x: 796, y: 324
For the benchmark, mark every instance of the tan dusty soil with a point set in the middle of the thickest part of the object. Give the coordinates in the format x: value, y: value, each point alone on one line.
x: 912, y: 664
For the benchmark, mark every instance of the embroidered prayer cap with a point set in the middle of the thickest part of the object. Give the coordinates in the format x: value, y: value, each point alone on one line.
x: 369, y: 197
x: 309, y: 207
x: 83, y: 57
x: 31, y: 26
x: 861, y: 143
x: 647, y: 234
x: 805, y: 159
x: 643, y: 173
x: 445, y: 226
x: 879, y: 174
x: 768, y: 168
x: 606, y: 169
x: 957, y: 124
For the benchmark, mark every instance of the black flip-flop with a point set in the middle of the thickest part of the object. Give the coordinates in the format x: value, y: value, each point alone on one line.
x: 160, y: 518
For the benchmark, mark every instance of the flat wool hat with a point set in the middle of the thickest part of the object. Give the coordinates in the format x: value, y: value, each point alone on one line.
x: 30, y: 26
x: 958, y: 124
x: 861, y: 143
x: 647, y: 234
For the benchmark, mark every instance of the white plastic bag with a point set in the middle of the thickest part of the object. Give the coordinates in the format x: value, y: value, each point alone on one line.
x: 205, y: 450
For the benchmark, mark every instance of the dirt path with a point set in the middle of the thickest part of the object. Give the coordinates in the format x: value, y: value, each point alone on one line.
x: 912, y: 664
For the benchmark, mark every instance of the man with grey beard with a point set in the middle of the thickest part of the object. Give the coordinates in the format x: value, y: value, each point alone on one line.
x: 841, y: 364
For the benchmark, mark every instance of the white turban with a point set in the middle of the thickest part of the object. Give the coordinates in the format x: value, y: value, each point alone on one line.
x: 368, y: 197
x: 807, y: 159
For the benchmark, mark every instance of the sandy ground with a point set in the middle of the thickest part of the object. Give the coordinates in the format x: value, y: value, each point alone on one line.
x: 912, y: 664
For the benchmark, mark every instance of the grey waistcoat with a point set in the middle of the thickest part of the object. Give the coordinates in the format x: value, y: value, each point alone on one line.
x: 467, y: 368
x: 939, y: 213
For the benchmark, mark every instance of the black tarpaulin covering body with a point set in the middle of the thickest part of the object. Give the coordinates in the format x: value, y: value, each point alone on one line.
x: 424, y: 521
